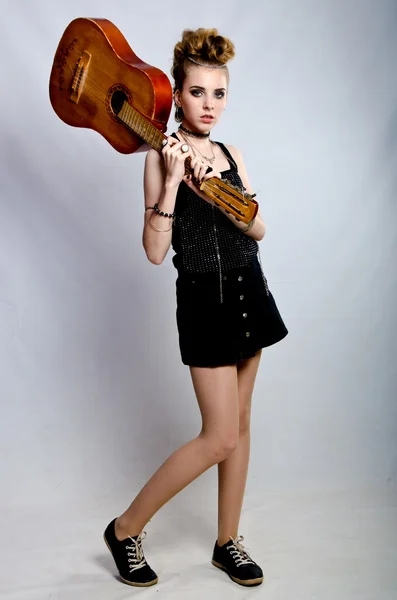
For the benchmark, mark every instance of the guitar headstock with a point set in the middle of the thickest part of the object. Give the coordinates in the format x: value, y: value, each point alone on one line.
x: 231, y: 198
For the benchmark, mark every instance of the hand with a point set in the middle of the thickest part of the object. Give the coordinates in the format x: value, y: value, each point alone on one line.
x: 199, y: 175
x: 198, y: 170
x: 174, y: 160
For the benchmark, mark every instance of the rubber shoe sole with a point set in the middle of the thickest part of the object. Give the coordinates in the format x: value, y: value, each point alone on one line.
x: 246, y: 582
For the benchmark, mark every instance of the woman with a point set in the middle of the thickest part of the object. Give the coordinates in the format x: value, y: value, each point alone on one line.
x: 225, y: 311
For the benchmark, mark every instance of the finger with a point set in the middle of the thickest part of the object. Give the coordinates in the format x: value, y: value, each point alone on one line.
x: 164, y: 144
x: 200, y: 171
x: 192, y: 179
x: 197, y: 165
x: 183, y: 154
x: 187, y: 178
x: 176, y: 148
x: 203, y: 170
x: 185, y: 149
x: 169, y: 142
x: 212, y: 174
x: 172, y: 141
x: 173, y: 145
x: 196, y: 171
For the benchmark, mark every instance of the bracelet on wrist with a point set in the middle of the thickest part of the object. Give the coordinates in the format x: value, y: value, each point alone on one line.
x: 159, y: 230
x: 163, y: 214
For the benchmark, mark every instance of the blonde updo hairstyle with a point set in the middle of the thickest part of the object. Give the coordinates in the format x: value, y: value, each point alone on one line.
x: 206, y: 47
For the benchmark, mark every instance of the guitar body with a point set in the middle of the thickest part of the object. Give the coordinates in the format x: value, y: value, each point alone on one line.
x: 92, y: 65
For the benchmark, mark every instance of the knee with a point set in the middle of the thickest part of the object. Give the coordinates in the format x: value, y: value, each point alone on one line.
x: 223, y: 447
x: 219, y: 447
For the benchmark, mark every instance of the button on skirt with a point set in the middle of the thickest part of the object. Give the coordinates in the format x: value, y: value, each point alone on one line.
x: 214, y: 333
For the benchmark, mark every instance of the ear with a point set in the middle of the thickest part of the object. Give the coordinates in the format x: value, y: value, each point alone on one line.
x: 177, y: 97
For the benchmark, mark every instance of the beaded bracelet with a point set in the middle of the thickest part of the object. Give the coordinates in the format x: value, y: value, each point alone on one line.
x: 160, y: 212
x: 163, y: 214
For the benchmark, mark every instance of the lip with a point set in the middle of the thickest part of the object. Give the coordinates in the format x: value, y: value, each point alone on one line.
x: 207, y: 118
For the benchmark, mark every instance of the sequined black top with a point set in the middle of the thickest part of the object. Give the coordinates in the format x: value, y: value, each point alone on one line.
x: 203, y: 238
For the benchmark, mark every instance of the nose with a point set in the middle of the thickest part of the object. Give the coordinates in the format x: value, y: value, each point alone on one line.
x: 208, y: 102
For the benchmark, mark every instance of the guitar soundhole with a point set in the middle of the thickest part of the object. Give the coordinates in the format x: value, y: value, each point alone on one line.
x: 116, y: 97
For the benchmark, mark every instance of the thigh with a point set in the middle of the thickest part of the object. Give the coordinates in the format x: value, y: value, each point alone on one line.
x: 246, y: 375
x: 216, y: 390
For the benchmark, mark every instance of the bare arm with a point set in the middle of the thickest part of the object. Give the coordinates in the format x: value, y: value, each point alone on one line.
x: 157, y: 243
x: 162, y: 176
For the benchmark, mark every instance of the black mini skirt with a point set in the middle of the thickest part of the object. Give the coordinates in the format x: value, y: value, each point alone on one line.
x: 222, y: 321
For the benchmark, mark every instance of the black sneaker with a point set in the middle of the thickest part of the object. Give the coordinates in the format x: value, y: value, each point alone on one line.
x: 233, y: 558
x: 129, y: 558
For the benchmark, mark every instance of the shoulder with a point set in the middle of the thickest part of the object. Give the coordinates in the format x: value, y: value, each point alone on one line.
x: 242, y: 171
x: 235, y: 152
x: 232, y: 149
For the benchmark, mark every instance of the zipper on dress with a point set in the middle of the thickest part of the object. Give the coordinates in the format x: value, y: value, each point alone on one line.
x: 218, y: 255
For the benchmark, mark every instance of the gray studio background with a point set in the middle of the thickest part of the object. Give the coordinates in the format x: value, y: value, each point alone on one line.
x: 93, y: 394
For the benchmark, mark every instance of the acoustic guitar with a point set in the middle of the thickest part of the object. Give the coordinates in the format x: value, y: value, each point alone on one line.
x: 98, y: 82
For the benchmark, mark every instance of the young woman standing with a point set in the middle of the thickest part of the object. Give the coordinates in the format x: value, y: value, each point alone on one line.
x: 225, y: 311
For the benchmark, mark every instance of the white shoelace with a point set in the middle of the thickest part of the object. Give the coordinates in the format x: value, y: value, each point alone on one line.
x: 239, y: 553
x: 138, y: 560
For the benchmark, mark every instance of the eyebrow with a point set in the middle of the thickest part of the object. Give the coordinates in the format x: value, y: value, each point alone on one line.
x: 199, y: 87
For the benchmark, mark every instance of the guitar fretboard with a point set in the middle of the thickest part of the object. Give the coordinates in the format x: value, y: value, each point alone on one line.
x: 141, y: 126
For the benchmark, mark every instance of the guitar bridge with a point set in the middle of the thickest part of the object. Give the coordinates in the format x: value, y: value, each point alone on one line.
x: 80, y: 76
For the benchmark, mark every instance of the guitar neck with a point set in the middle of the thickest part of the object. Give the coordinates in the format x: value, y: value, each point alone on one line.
x: 144, y: 128
x: 141, y: 126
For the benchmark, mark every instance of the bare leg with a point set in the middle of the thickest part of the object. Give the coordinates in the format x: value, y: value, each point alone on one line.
x: 217, y: 395
x: 232, y: 472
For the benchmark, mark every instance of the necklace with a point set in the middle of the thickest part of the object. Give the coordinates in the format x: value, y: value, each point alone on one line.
x: 209, y: 159
x: 193, y: 133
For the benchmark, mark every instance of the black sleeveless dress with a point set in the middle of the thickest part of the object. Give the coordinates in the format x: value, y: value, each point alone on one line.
x: 225, y: 310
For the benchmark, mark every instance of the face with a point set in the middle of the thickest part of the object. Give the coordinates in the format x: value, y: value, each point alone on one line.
x: 203, y: 97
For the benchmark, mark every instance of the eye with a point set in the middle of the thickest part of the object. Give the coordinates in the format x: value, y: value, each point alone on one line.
x: 196, y: 93
x: 220, y: 94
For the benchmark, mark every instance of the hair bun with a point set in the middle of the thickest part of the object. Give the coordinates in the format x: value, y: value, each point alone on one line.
x: 204, y: 45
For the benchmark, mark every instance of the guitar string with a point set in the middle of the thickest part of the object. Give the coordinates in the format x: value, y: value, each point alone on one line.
x: 144, y: 128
